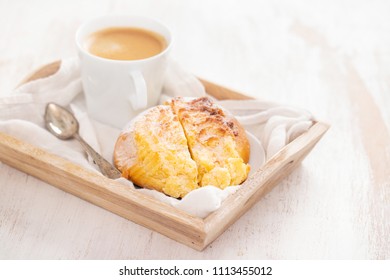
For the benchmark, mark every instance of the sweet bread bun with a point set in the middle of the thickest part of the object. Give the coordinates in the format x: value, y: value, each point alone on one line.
x: 152, y: 152
x: 216, y: 141
x: 182, y: 145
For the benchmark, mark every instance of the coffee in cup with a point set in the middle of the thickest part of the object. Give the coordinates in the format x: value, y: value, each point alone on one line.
x: 125, y: 43
x: 123, y: 62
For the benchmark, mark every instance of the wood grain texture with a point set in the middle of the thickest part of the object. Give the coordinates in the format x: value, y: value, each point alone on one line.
x: 335, y: 63
x: 222, y: 93
x: 42, y: 72
x: 263, y: 181
x: 102, y: 191
x: 191, y: 231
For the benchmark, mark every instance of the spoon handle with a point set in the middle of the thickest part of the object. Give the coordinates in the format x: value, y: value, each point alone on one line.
x: 105, y: 167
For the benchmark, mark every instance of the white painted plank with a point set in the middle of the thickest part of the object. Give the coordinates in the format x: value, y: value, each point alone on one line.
x: 331, y: 57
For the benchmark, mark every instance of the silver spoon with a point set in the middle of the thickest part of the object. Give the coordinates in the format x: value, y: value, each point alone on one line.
x: 62, y: 123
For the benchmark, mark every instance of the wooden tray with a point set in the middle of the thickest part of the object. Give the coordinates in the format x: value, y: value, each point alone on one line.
x: 142, y: 209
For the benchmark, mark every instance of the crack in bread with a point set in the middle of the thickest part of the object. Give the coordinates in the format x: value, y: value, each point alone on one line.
x: 217, y: 142
x: 153, y: 153
x: 183, y: 145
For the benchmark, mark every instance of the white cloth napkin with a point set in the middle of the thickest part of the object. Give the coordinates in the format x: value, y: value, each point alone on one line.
x: 21, y: 115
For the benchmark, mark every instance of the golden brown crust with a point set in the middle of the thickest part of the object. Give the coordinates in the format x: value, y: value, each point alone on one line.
x: 243, y: 146
x: 216, y: 140
x: 214, y: 115
x: 177, y: 147
x: 152, y: 152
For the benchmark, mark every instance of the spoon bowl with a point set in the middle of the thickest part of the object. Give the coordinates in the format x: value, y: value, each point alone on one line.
x: 60, y: 122
x: 63, y: 124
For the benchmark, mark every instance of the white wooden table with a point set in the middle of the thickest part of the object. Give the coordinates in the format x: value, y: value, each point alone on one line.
x: 330, y: 57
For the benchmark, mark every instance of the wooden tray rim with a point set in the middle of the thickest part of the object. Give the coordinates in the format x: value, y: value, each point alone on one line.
x: 142, y: 209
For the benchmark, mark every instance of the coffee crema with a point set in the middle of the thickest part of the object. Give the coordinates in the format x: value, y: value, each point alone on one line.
x: 125, y: 43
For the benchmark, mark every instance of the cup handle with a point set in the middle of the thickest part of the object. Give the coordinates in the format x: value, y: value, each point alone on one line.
x: 140, y: 99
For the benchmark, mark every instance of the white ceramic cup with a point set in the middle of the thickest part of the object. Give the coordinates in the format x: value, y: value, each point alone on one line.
x: 117, y: 90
